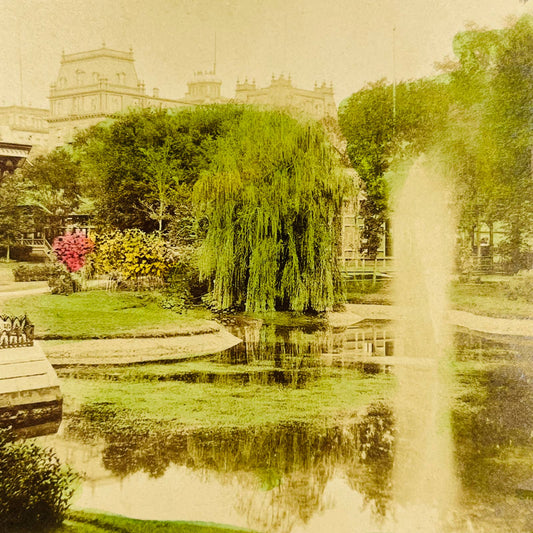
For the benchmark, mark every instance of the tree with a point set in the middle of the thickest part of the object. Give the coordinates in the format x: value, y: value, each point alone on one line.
x: 163, y: 177
x: 270, y: 196
x: 511, y: 114
x: 12, y: 217
x: 379, y: 130
x: 54, y: 189
x: 142, y: 165
x: 487, y: 142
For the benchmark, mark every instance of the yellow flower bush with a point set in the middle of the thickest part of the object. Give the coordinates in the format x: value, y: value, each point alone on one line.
x: 131, y: 254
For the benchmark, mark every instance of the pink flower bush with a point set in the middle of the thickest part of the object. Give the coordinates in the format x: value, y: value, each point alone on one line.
x: 72, y: 248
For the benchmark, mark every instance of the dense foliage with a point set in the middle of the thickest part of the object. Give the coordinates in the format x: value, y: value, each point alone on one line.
x: 35, y: 490
x: 12, y: 218
x: 487, y: 144
x: 131, y: 254
x: 270, y: 198
x: 40, y: 272
x: 140, y: 167
x: 54, y: 189
x: 381, y: 122
x: 477, y: 118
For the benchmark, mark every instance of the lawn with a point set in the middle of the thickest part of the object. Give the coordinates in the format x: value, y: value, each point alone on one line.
x: 134, y: 397
x: 100, y: 314
x: 486, y: 297
x: 489, y: 298
x: 89, y: 522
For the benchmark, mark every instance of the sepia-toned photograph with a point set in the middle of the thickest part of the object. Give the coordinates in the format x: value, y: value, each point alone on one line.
x: 266, y: 266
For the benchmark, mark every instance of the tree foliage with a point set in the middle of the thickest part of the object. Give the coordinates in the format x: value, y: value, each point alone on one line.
x: 270, y: 197
x: 12, y: 217
x: 381, y: 123
x: 487, y: 142
x: 477, y: 118
x: 142, y: 165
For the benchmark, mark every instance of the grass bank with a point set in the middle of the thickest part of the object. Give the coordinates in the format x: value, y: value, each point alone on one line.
x: 148, y: 397
x: 489, y: 298
x: 100, y: 314
x: 89, y: 522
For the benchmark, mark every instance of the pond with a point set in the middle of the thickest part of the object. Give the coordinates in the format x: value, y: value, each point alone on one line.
x: 301, y: 473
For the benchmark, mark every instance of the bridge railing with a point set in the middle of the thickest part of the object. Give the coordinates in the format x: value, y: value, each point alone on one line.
x: 16, y: 332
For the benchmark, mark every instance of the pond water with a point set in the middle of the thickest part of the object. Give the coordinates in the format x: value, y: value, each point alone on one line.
x: 312, y: 476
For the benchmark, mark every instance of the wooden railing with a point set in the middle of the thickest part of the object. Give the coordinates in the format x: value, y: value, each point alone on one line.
x: 364, y: 265
x: 38, y: 245
x: 15, y: 332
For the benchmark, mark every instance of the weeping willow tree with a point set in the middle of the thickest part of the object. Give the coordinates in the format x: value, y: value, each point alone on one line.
x: 270, y: 198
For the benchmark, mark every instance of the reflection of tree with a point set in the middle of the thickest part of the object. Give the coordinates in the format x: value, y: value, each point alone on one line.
x: 373, y: 477
x: 492, y: 427
x: 280, y: 472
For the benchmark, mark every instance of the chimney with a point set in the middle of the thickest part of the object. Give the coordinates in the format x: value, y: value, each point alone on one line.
x: 156, y: 92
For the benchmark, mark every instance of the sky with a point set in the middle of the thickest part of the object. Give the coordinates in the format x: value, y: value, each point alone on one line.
x: 344, y: 42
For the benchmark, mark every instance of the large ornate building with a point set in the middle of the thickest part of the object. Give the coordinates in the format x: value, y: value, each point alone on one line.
x: 204, y: 88
x: 281, y: 93
x: 94, y: 85
x: 24, y: 124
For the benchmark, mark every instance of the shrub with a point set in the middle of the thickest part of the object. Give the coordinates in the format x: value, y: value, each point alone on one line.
x: 183, y: 277
x: 72, y: 248
x: 60, y: 280
x: 520, y: 286
x: 131, y: 255
x: 35, y: 489
x: 33, y: 272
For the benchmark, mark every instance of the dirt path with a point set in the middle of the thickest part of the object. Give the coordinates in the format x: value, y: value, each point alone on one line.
x: 129, y: 351
x: 5, y: 295
x: 497, y: 326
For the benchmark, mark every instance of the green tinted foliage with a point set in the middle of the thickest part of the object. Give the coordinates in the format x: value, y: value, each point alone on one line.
x: 487, y: 142
x: 56, y: 171
x: 379, y: 128
x: 142, y: 164
x: 12, y: 217
x: 270, y: 197
x: 35, y: 490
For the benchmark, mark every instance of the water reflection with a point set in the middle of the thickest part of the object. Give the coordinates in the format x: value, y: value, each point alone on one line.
x: 312, y: 477
x: 493, y: 422
x: 279, y: 474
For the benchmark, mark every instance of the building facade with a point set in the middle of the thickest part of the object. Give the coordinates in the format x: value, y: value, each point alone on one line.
x: 24, y: 124
x: 204, y: 88
x: 92, y: 86
x: 317, y: 103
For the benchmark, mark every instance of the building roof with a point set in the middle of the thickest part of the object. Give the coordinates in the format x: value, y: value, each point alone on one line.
x: 14, y: 150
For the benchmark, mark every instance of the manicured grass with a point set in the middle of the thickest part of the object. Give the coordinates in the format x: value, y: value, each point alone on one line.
x: 488, y: 298
x: 90, y: 522
x: 100, y: 314
x: 153, y: 403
